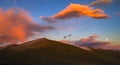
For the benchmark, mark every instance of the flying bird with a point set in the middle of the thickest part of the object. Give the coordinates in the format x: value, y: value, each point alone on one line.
x: 67, y: 36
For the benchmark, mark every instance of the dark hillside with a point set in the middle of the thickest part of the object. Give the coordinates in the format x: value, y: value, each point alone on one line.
x: 48, y: 52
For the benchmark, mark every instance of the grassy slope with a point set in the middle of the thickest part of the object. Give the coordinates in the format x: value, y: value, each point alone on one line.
x: 47, y: 52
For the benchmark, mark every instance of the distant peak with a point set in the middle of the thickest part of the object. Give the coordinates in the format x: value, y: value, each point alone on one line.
x: 42, y: 39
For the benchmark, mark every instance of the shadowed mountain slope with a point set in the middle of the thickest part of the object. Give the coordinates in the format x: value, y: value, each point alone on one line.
x: 48, y: 52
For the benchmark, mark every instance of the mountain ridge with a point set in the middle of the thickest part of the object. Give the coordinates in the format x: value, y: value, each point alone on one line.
x: 48, y: 52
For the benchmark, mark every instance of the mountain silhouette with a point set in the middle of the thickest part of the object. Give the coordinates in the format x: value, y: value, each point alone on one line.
x: 48, y: 52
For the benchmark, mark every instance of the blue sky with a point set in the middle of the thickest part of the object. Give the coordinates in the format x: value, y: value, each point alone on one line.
x: 78, y: 27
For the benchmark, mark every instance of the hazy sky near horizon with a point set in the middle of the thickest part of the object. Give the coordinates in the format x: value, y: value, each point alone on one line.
x: 79, y: 27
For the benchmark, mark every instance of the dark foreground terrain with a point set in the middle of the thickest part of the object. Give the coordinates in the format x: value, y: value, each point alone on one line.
x: 48, y: 52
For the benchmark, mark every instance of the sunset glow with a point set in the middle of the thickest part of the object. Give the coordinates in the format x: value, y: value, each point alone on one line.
x: 20, y: 20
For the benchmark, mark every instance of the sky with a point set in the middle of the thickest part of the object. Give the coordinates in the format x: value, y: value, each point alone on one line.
x: 107, y: 28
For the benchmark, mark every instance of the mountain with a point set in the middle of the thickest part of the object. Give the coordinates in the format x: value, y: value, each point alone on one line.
x: 48, y: 52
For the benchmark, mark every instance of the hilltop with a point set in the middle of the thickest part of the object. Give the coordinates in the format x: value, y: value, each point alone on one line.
x: 48, y: 52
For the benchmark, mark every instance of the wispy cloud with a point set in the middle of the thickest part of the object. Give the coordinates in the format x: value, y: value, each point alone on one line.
x: 91, y: 41
x: 100, y: 2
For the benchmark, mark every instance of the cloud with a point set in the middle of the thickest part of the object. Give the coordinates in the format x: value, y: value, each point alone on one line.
x: 91, y: 38
x: 76, y: 11
x: 100, y: 2
x: 92, y: 42
x: 17, y: 25
x: 113, y: 47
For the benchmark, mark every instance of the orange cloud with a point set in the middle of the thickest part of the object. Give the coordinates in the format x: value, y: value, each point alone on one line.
x: 76, y: 11
x: 17, y: 25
